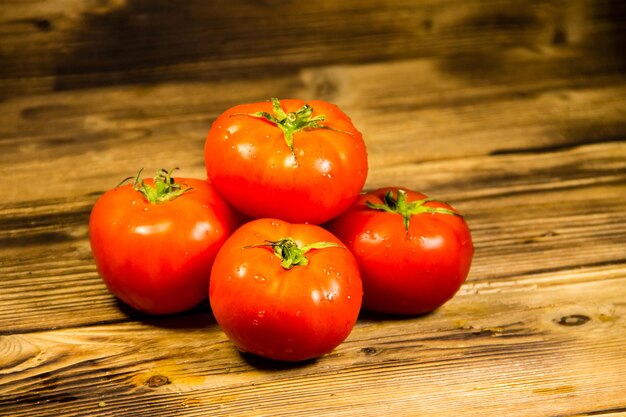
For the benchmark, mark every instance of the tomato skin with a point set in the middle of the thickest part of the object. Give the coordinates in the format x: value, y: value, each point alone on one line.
x: 157, y: 258
x: 251, y: 165
x: 289, y: 315
x: 404, y: 272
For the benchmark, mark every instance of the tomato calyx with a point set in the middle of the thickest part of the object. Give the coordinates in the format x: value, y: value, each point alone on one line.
x: 292, y: 122
x: 290, y: 253
x: 164, y: 189
x: 400, y: 205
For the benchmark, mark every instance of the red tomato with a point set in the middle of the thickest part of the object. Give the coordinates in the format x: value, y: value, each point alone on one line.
x: 285, y: 291
x: 154, y: 242
x: 303, y: 163
x: 414, y: 253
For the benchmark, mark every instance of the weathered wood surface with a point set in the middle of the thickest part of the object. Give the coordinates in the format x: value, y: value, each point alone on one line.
x: 514, y: 112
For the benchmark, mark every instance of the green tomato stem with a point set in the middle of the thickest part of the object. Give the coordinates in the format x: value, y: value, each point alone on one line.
x: 400, y: 205
x: 164, y: 189
x: 293, y: 122
x: 290, y: 254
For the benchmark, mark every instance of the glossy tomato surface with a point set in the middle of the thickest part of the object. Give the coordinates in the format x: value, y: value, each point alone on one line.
x: 406, y: 271
x: 157, y: 257
x: 288, y: 314
x: 250, y: 163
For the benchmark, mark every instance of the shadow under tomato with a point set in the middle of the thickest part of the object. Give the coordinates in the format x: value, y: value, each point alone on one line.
x: 265, y: 364
x: 199, y: 317
x: 261, y: 363
x: 369, y: 316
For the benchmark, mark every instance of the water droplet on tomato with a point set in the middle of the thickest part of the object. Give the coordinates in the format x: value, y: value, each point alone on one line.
x: 260, y: 279
x: 298, y: 313
x: 316, y: 296
x: 241, y: 270
x: 255, y: 322
x: 290, y: 162
x: 261, y: 313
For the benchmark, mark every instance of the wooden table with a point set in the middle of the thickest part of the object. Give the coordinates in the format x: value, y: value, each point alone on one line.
x: 514, y: 112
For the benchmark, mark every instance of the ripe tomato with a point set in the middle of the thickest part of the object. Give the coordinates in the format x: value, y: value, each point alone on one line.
x: 154, y: 242
x: 285, y: 291
x: 414, y: 252
x: 300, y: 162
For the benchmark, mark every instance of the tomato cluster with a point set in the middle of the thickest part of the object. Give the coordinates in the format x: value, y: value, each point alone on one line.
x: 281, y: 237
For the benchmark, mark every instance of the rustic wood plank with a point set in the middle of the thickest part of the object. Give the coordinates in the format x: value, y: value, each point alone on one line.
x: 530, y: 214
x: 472, y: 357
x: 514, y: 113
x: 68, y: 44
x: 114, y: 131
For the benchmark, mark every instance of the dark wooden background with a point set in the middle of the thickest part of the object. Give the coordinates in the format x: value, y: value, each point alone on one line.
x: 514, y: 112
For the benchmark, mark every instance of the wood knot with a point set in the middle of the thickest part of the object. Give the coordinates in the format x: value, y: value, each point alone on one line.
x: 559, y: 37
x: 573, y: 320
x: 427, y: 25
x: 369, y: 350
x: 156, y: 381
x: 325, y: 88
x: 42, y: 25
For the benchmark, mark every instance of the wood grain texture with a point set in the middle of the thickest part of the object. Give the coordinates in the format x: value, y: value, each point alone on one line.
x: 514, y: 113
x: 71, y: 44
x: 523, y: 222
x: 498, y: 352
